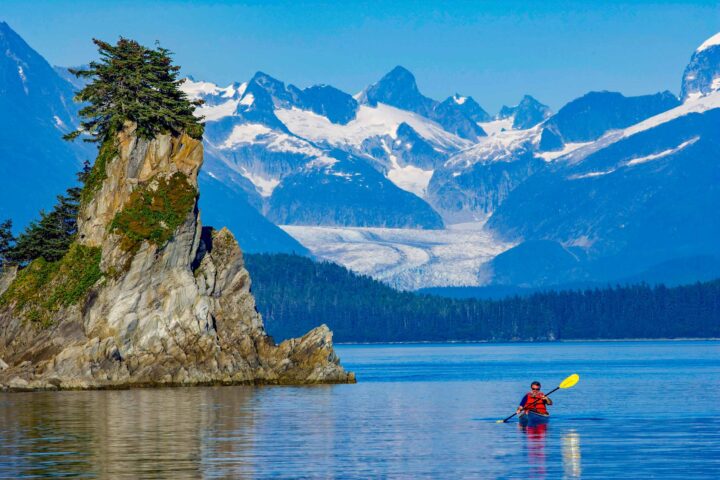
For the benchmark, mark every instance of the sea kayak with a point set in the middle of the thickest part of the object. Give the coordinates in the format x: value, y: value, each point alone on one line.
x: 530, y: 419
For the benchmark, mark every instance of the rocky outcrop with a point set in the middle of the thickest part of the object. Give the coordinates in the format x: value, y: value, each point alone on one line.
x: 172, y: 305
x: 7, y: 275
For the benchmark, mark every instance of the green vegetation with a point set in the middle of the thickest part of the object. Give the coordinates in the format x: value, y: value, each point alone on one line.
x: 95, y: 176
x: 133, y: 83
x: 43, y: 287
x: 154, y: 211
x: 51, y: 236
x: 295, y: 294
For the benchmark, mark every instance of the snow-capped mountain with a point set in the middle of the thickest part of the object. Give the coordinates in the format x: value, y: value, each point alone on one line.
x: 420, y: 192
x: 526, y: 114
x: 526, y: 166
x: 633, y: 199
x: 588, y: 117
x: 318, y: 156
x: 702, y: 75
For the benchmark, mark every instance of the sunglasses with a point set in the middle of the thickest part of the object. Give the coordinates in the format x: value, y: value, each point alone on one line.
x: 536, y: 388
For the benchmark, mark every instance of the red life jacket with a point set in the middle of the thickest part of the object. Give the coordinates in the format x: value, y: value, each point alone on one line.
x: 535, y: 404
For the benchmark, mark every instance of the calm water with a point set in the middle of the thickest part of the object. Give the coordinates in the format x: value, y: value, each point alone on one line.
x: 641, y: 410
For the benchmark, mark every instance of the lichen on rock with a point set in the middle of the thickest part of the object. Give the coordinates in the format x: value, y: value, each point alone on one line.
x: 147, y: 296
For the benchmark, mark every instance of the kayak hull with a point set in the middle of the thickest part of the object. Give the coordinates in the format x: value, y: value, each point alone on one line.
x: 530, y: 419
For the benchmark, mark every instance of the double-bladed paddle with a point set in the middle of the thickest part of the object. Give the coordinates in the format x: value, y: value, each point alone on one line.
x: 567, y: 383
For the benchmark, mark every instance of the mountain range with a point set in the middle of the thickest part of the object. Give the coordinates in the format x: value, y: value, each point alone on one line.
x: 421, y: 192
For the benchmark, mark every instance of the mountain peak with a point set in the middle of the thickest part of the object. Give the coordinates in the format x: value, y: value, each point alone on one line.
x: 710, y: 42
x: 702, y: 75
x: 526, y: 114
x: 469, y: 107
x: 399, y: 72
x: 398, y: 89
x: 399, y: 78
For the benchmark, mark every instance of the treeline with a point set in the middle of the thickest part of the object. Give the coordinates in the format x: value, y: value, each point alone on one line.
x: 295, y: 294
x: 50, y: 236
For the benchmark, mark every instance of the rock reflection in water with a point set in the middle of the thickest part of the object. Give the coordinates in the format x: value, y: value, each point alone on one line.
x: 126, y: 434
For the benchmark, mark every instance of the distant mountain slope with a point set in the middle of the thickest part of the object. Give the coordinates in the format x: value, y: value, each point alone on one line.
x: 222, y: 206
x: 588, y: 117
x: 632, y: 199
x: 36, y: 109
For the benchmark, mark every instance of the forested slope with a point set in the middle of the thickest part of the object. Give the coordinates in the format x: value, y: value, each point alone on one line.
x: 294, y: 293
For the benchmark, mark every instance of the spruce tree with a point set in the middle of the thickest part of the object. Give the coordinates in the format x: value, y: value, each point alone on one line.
x: 7, y: 241
x: 134, y: 83
x: 51, y: 237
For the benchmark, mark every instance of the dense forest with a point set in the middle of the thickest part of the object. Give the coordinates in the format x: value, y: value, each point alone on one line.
x: 295, y: 294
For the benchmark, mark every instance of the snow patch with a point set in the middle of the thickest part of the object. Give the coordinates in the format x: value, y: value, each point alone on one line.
x: 217, y: 112
x: 369, y: 122
x: 591, y: 174
x: 665, y: 153
x: 21, y: 74
x: 710, y: 42
x: 692, y: 105
x: 322, y: 161
x: 264, y: 186
x: 637, y: 161
x: 256, y: 133
x: 496, y: 126
x: 248, y: 99
x: 246, y: 133
x: 567, y: 148
x: 196, y: 90
x: 500, y: 147
x: 459, y: 100
x: 409, y: 178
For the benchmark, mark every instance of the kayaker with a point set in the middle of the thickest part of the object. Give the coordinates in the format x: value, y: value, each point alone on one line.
x: 534, y: 400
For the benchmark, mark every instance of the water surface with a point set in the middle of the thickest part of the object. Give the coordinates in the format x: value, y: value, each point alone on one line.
x: 641, y: 410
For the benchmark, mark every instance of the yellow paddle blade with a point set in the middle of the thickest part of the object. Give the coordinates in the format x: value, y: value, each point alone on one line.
x: 570, y: 381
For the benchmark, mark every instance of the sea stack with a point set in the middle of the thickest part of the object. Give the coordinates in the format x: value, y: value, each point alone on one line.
x: 147, y: 296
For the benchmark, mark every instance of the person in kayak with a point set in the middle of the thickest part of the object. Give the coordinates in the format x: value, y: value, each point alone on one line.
x: 534, y: 401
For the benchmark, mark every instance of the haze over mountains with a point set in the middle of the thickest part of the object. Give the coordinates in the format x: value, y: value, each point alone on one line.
x: 421, y: 192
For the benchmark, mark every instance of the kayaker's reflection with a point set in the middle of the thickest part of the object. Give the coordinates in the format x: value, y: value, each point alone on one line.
x: 536, y: 449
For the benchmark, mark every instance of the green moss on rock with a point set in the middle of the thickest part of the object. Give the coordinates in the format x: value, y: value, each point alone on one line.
x: 154, y: 211
x: 42, y: 288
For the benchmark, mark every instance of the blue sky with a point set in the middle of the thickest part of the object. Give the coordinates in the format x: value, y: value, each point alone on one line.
x: 494, y: 51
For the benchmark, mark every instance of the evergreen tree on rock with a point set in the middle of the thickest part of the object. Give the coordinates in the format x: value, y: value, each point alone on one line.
x: 134, y: 83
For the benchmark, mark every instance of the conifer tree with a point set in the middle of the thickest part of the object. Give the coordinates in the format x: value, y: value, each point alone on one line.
x: 134, y: 83
x: 52, y: 236
x: 7, y: 241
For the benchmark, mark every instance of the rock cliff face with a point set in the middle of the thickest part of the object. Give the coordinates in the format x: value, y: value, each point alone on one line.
x: 168, y: 302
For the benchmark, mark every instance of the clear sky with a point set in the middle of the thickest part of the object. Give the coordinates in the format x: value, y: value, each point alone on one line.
x: 495, y: 51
